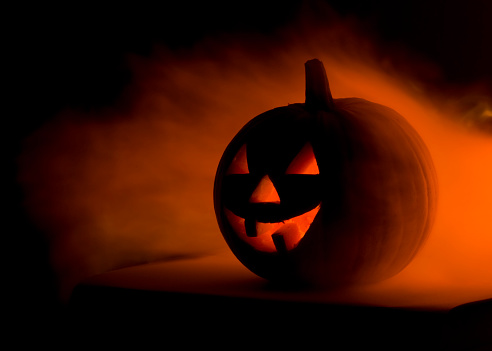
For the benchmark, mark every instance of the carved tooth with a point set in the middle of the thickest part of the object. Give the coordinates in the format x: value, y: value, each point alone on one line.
x: 250, y: 225
x: 279, y: 242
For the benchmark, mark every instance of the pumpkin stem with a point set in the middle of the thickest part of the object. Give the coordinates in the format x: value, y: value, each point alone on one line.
x: 318, y: 94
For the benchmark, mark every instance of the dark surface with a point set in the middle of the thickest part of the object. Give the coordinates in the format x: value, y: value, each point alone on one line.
x: 118, y: 316
x: 469, y: 327
x: 194, y: 320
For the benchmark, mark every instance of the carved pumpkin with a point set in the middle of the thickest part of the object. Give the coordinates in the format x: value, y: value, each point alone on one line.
x: 332, y: 191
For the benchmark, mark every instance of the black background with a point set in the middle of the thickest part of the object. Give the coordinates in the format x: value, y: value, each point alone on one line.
x: 73, y: 55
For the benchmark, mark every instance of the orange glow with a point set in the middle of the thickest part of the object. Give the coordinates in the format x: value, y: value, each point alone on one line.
x: 133, y: 183
x: 265, y: 192
x: 292, y: 230
x: 239, y: 164
x: 304, y: 162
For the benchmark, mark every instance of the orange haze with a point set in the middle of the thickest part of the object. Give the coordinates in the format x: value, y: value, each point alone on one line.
x: 133, y: 183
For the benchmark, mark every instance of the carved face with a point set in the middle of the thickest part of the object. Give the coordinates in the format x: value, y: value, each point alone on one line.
x: 270, y: 192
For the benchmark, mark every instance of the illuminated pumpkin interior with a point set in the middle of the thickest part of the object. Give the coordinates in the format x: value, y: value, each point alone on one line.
x: 273, y: 236
x: 239, y: 164
x: 265, y: 192
x: 304, y: 162
x: 292, y: 230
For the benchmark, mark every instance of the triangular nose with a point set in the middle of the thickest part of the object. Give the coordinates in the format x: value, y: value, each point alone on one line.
x: 265, y: 192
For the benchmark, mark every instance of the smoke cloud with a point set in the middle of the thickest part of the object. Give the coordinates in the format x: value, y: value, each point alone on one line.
x: 133, y: 183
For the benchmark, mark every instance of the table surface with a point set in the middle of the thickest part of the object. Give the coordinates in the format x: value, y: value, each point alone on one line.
x: 223, y: 275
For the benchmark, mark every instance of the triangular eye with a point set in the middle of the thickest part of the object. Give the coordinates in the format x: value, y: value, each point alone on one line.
x: 239, y: 164
x: 265, y: 192
x: 304, y: 162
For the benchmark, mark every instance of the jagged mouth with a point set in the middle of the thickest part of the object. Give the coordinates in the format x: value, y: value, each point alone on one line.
x: 272, y: 237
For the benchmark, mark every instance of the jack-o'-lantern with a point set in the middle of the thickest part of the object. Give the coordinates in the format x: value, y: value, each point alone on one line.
x: 332, y: 191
